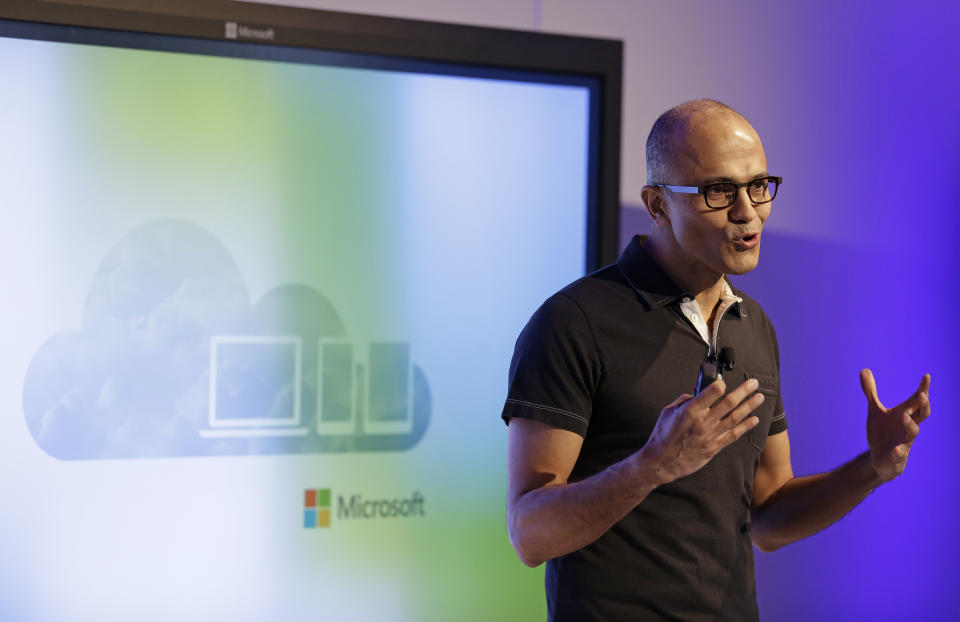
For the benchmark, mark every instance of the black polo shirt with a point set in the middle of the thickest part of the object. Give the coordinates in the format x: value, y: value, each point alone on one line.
x: 601, y: 358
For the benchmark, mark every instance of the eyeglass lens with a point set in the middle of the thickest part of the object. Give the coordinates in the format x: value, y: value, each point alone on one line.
x: 723, y: 194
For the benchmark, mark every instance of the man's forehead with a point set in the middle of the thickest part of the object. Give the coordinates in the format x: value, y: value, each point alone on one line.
x: 720, y: 145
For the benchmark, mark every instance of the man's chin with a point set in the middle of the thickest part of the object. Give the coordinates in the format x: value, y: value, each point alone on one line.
x: 742, y: 263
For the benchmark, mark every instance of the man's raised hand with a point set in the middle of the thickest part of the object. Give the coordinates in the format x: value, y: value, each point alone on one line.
x: 692, y: 430
x: 891, y: 431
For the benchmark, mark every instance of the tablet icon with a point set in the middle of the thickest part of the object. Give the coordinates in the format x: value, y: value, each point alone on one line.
x: 365, y: 390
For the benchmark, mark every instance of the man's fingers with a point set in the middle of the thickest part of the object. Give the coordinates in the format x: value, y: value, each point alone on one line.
x: 924, y: 384
x: 917, y: 405
x: 920, y: 400
x: 681, y: 399
x: 737, y: 431
x: 733, y: 399
x: 710, y: 395
x: 899, y: 453
x: 922, y: 411
x: 923, y: 389
x: 869, y: 386
x: 746, y: 407
x: 912, y: 428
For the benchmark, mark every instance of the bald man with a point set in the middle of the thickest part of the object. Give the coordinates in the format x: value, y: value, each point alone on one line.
x: 645, y: 501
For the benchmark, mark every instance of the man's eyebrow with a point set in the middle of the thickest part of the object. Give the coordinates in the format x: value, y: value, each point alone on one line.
x: 716, y: 180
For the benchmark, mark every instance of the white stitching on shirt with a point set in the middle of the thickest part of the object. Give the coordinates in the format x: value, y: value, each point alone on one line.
x: 550, y: 408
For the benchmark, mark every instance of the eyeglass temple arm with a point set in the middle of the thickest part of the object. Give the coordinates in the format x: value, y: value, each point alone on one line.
x: 683, y: 189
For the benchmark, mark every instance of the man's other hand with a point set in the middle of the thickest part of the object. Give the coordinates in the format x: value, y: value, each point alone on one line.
x: 692, y: 430
x: 891, y: 431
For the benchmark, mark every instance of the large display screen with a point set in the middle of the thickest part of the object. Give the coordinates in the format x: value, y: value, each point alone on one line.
x: 257, y: 320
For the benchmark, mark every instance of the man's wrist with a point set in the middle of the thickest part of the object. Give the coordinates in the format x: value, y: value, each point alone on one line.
x: 647, y: 470
x: 872, y: 475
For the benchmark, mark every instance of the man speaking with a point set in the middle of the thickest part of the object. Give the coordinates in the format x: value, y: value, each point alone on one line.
x: 644, y: 500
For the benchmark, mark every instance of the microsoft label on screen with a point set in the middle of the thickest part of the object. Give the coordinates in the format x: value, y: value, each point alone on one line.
x: 317, y: 506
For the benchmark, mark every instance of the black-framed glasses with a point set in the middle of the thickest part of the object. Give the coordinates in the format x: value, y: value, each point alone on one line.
x: 722, y: 194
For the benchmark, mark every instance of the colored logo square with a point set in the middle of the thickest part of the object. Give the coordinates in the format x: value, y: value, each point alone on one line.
x: 318, y: 498
x: 316, y: 507
x: 323, y: 498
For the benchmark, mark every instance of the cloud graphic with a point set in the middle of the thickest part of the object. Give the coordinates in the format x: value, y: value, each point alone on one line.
x: 139, y: 378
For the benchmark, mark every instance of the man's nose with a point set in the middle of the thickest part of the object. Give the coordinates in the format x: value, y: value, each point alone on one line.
x: 743, y: 209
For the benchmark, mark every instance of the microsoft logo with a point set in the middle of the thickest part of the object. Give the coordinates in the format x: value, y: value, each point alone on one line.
x: 316, y: 508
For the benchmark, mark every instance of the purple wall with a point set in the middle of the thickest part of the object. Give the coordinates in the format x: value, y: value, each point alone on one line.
x: 871, y: 160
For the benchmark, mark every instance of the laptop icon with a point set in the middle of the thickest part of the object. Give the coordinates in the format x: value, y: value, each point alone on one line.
x: 255, y: 386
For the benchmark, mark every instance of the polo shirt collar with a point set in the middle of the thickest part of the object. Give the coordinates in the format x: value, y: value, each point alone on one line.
x: 654, y: 286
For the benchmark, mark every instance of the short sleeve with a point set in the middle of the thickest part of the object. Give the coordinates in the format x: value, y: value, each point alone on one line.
x: 778, y: 423
x: 555, y: 368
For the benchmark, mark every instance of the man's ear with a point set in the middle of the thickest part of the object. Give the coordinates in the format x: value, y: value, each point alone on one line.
x: 652, y: 197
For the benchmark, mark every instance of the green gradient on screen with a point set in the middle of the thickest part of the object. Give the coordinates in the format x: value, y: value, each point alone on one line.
x: 310, y: 175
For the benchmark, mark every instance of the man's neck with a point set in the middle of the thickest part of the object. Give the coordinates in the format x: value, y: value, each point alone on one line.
x: 705, y: 286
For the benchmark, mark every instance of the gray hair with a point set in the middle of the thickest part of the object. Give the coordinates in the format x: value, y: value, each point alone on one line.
x: 661, y: 142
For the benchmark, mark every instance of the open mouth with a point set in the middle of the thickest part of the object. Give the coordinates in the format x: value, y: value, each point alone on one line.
x: 746, y: 242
